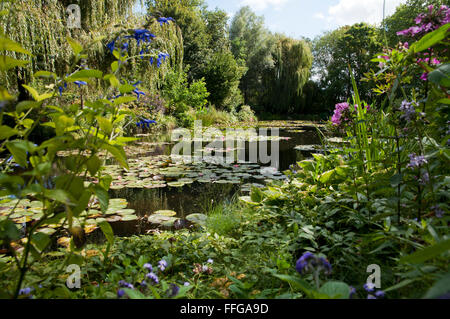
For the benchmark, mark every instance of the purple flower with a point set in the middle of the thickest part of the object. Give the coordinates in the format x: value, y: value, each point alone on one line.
x: 380, y: 294
x: 120, y: 293
x: 369, y: 287
x: 416, y: 161
x: 210, y: 261
x: 371, y: 297
x: 149, y: 267
x: 408, y: 109
x: 25, y: 291
x: 173, y: 291
x: 308, y: 262
x: 186, y: 284
x: 424, y: 76
x: 162, y: 264
x: 339, y: 109
x: 153, y: 277
x: 125, y: 284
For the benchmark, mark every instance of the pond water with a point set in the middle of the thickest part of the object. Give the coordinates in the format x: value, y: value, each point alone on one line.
x: 188, y: 193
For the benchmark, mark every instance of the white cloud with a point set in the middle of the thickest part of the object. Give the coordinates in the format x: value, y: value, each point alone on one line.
x: 259, y: 5
x: 348, y: 12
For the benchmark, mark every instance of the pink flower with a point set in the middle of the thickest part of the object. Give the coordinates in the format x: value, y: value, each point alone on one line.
x: 424, y: 76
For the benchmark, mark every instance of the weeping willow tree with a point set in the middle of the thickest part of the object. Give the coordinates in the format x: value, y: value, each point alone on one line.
x: 41, y: 27
x: 285, y: 81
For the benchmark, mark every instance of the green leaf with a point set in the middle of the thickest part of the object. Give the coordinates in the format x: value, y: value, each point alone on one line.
x: 18, y: 152
x: 93, y: 165
x: 118, y: 153
x: 325, y: 177
x: 85, y: 75
x: 45, y: 74
x: 7, y: 63
x: 40, y: 241
x: 10, y: 45
x: 36, y: 95
x: 441, y: 76
x: 296, y: 283
x: 108, y: 232
x: 440, y: 288
x: 105, y: 125
x: 427, y: 253
x: 126, y: 88
x: 124, y: 99
x: 134, y: 294
x: 7, y: 132
x: 336, y: 290
x: 76, y: 47
x: 430, y: 39
x: 115, y: 66
x: 103, y: 197
x: 8, y: 229
x: 58, y: 195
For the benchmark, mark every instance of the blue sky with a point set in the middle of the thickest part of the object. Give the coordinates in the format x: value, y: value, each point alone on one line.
x: 309, y: 18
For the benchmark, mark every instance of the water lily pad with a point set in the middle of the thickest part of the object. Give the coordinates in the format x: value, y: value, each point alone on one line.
x: 199, y: 219
x: 128, y: 218
x: 47, y: 231
x: 168, y: 213
x: 159, y: 219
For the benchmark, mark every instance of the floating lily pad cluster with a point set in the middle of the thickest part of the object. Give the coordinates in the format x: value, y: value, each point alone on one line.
x: 161, y: 171
x: 27, y: 211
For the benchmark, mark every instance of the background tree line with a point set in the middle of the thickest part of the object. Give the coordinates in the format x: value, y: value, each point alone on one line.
x: 214, y: 61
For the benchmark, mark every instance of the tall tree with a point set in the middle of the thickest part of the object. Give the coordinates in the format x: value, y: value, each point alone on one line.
x: 251, y: 45
x: 334, y: 52
x: 285, y: 81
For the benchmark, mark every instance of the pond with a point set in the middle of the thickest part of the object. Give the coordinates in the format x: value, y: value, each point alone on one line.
x: 155, y: 183
x: 162, y: 191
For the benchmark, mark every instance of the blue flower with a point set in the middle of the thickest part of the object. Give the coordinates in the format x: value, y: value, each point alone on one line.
x: 173, y: 291
x: 125, y: 284
x: 25, y: 291
x: 153, y: 277
x: 125, y: 46
x: 80, y: 83
x: 186, y: 284
x: 210, y: 261
x: 111, y: 46
x: 142, y: 35
x: 151, y: 60
x: 371, y: 297
x: 149, y: 267
x: 380, y: 294
x: 120, y: 293
x: 138, y: 93
x: 369, y: 287
x: 416, y: 161
x: 144, y: 283
x: 162, y: 264
x: 163, y: 20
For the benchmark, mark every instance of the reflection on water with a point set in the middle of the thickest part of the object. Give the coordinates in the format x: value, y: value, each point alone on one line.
x: 196, y: 197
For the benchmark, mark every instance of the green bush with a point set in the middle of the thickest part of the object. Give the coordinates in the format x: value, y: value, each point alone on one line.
x: 246, y: 114
x: 181, y: 96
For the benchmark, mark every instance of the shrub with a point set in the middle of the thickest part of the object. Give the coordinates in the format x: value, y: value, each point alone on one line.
x: 246, y: 114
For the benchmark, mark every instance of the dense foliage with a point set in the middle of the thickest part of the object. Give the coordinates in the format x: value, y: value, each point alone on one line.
x: 375, y: 194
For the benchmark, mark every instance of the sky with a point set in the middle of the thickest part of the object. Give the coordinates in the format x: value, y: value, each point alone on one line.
x: 310, y: 18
